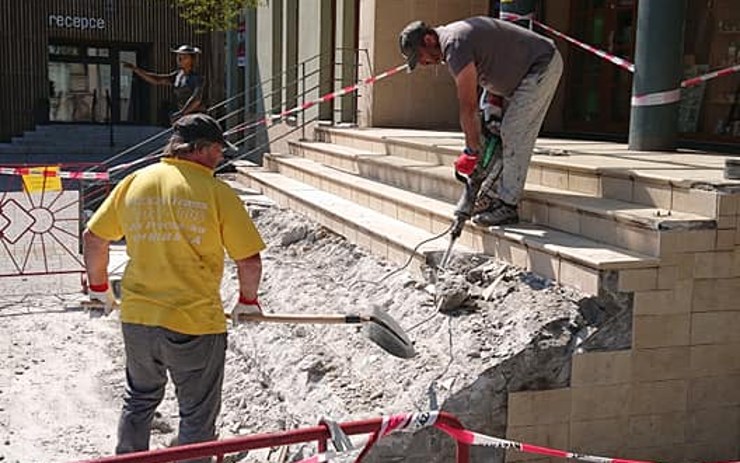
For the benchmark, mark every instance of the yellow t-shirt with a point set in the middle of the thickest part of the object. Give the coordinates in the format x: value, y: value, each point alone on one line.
x: 177, y: 219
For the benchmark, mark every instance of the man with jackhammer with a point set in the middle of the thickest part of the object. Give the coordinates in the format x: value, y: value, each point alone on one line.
x: 177, y: 220
x: 507, y: 61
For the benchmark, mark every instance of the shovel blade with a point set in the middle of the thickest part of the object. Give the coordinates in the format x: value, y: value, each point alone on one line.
x: 384, y: 331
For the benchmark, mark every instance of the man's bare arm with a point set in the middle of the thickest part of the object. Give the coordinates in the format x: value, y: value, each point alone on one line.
x: 249, y: 271
x: 467, y: 96
x: 95, y: 251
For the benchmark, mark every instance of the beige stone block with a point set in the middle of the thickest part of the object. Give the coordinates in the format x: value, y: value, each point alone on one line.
x: 658, y: 397
x: 639, y: 239
x: 725, y: 239
x: 616, y: 188
x: 652, y: 194
x: 513, y: 253
x: 539, y: 407
x: 665, y: 363
x: 643, y: 279
x: 422, y: 219
x: 713, y: 264
x: 379, y: 247
x: 713, y: 424
x: 580, y: 277
x: 660, y: 302
x: 695, y: 201
x: 364, y: 240
x: 596, y: 402
x: 550, y: 435
x: 657, y: 430
x: 684, y: 263
x: 714, y: 391
x: 390, y: 208
x: 715, y: 359
x: 543, y: 264
x: 598, y: 228
x: 601, y: 368
x: 716, y: 294
x: 650, y: 331
x: 727, y: 222
x: 539, y: 213
x: 715, y: 328
x: 600, y: 437
x: 564, y: 219
x: 555, y: 178
x: 667, y: 277
x: 583, y: 183
x: 728, y: 204
x: 406, y: 214
x: 534, y: 175
x: 687, y: 241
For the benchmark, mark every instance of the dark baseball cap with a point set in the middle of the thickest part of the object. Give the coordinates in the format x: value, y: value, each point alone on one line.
x: 196, y: 127
x: 410, y: 39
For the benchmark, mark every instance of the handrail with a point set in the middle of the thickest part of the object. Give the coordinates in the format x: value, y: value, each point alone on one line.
x: 319, y: 434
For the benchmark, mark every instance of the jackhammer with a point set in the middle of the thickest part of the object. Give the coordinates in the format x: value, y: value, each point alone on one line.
x: 490, y: 162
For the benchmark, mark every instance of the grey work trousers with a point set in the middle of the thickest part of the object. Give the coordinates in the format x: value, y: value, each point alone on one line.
x: 523, y: 117
x: 196, y: 366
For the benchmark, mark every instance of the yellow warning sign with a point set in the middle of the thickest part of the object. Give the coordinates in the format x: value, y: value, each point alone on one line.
x: 43, y: 178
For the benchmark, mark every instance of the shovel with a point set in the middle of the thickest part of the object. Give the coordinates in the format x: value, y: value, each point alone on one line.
x: 379, y: 327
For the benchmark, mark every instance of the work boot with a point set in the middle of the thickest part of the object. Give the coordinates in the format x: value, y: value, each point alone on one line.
x: 497, y: 213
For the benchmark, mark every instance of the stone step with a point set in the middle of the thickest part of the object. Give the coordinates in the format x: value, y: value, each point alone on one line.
x: 374, y: 231
x: 625, y: 225
x: 569, y: 259
x: 664, y: 180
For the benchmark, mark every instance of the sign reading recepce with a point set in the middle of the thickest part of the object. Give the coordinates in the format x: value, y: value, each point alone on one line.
x: 76, y: 22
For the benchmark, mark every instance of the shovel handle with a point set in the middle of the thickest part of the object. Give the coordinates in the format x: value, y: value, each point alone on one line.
x: 318, y: 319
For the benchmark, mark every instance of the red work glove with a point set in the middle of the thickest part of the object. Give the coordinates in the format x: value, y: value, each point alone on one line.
x: 466, y: 162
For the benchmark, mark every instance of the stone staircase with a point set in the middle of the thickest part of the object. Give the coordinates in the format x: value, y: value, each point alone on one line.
x: 657, y: 232
x: 78, y: 143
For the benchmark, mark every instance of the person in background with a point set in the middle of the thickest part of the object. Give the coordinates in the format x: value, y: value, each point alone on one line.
x: 186, y: 82
x: 177, y: 219
x: 505, y: 60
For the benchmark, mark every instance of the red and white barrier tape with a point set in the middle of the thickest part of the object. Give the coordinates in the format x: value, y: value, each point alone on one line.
x: 658, y: 98
x: 651, y: 99
x: 621, y: 62
x: 39, y: 171
x: 323, y: 99
x: 415, y: 421
x: 710, y: 75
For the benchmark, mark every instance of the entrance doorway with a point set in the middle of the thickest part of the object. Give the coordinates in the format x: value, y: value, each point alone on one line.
x: 598, y: 91
x: 89, y: 84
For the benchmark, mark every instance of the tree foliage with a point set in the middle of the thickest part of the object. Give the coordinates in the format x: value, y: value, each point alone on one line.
x: 214, y: 15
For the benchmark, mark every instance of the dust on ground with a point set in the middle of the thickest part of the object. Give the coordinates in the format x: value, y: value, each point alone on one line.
x: 62, y: 372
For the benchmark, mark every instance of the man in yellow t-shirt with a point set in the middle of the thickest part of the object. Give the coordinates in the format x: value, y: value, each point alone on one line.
x: 177, y: 220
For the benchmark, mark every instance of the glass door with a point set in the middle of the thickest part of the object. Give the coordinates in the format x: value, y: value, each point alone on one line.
x: 598, y: 91
x: 80, y: 89
x: 90, y: 84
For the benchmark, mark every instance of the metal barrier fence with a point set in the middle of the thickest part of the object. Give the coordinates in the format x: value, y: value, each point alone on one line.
x: 320, y: 434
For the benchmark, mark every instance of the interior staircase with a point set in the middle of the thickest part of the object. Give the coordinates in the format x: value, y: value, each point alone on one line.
x: 659, y: 233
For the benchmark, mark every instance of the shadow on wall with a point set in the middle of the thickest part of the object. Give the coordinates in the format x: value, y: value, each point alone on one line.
x: 544, y: 364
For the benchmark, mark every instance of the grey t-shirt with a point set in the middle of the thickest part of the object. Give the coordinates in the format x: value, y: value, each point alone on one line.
x: 503, y: 53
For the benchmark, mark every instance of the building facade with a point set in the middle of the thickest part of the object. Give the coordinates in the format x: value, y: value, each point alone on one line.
x: 61, y: 61
x: 593, y: 99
